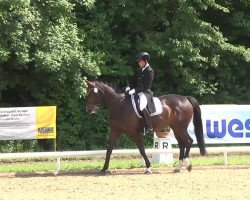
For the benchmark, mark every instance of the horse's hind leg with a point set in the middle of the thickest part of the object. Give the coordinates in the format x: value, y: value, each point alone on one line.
x: 186, y: 156
x: 185, y: 143
x: 181, y: 145
x: 139, y: 142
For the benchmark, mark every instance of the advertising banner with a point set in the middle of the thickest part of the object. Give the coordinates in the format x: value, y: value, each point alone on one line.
x: 23, y: 123
x: 224, y: 124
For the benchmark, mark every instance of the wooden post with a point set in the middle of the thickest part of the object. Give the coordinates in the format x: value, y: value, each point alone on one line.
x: 54, y: 142
x: 58, y: 160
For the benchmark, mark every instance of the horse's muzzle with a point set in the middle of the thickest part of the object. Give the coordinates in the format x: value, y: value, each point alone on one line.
x: 91, y: 109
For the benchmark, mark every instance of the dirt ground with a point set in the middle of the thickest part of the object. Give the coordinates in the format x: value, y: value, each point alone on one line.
x: 230, y: 182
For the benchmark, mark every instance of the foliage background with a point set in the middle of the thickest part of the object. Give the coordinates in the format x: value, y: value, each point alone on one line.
x: 48, y: 48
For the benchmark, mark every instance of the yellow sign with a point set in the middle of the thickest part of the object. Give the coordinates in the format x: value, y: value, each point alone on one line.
x: 25, y: 123
x: 46, y: 122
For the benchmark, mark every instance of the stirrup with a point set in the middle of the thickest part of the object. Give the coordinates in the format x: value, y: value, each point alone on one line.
x: 148, y: 131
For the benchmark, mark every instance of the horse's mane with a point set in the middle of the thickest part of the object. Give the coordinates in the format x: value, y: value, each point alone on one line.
x: 115, y: 88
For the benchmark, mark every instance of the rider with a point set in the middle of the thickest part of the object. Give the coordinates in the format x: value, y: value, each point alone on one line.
x: 145, y: 77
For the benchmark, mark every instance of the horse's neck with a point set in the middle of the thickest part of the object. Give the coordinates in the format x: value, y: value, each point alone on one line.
x: 112, y: 99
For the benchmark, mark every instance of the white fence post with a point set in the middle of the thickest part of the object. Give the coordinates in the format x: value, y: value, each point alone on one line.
x: 58, y: 164
x: 225, y: 157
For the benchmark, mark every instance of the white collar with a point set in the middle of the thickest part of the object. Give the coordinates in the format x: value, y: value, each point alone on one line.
x: 145, y: 67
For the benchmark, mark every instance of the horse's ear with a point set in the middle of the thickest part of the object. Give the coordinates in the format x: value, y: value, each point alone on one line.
x: 90, y: 83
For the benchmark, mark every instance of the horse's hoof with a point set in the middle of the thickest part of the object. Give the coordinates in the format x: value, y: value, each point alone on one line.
x: 104, y: 172
x: 148, y: 172
x: 177, y: 171
x: 189, y: 167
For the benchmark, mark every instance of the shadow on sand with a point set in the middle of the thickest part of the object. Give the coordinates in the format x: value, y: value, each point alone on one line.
x: 116, y: 172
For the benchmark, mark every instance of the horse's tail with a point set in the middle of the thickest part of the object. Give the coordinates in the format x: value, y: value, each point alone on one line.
x: 198, y: 129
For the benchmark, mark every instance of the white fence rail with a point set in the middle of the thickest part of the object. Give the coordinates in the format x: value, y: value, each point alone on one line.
x: 58, y: 155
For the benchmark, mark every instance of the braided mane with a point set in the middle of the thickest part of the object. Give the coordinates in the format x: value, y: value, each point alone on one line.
x: 116, y: 89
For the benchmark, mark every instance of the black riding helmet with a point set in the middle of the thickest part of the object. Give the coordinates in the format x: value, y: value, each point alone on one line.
x: 144, y: 56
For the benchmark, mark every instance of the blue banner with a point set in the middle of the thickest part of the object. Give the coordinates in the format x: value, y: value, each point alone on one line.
x: 224, y: 124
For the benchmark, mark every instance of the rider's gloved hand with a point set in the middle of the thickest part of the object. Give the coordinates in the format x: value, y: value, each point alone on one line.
x: 127, y: 89
x: 131, y: 92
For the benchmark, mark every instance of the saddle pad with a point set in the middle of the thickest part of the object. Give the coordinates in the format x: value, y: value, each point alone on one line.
x: 157, y: 103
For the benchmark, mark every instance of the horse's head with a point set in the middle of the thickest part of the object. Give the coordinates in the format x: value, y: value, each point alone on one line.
x: 95, y: 95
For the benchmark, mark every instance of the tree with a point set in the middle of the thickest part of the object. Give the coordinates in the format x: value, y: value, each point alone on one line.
x: 42, y: 59
x: 235, y: 57
x: 48, y: 48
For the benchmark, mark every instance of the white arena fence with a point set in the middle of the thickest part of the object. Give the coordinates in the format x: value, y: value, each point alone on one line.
x: 222, y: 124
x: 58, y: 155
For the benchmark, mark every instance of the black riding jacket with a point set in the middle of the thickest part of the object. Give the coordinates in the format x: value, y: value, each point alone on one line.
x: 145, y: 80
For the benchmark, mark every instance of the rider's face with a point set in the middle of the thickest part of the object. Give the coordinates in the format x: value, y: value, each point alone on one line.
x: 142, y: 63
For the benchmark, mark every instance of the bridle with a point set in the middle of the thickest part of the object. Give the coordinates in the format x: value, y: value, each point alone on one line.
x: 95, y: 90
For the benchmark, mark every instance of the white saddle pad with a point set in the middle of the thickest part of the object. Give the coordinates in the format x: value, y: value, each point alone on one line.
x: 157, y: 103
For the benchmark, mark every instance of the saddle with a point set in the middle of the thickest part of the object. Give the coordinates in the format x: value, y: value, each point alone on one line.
x: 136, y: 105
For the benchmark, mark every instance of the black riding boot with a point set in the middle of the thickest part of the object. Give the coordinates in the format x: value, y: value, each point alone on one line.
x: 149, y: 128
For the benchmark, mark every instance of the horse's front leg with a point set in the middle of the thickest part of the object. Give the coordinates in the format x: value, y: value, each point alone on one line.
x: 139, y: 142
x: 114, y: 135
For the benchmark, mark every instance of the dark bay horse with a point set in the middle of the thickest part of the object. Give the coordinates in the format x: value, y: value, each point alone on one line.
x: 177, y: 114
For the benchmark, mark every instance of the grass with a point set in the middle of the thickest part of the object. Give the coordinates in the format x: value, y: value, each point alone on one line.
x: 124, y: 163
x: 27, y: 167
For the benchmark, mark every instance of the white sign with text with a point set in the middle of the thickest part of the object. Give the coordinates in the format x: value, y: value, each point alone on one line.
x: 224, y: 124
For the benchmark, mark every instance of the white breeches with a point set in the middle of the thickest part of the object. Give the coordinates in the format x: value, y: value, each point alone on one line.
x: 143, y: 100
